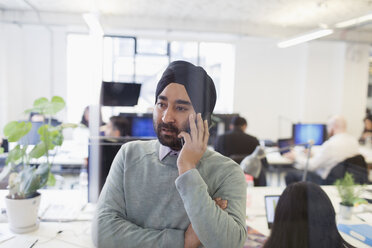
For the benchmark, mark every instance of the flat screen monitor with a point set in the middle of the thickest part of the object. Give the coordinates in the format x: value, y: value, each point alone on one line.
x: 284, y: 145
x: 142, y: 127
x: 120, y: 94
x: 303, y: 133
x: 271, y: 201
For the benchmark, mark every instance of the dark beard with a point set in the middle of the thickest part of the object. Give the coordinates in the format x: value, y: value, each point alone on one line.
x: 171, y: 141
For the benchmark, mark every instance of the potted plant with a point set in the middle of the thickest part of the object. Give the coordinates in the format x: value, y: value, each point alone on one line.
x: 25, y: 178
x: 349, y: 193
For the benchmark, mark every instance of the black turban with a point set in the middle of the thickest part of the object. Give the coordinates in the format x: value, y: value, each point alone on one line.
x: 198, y: 84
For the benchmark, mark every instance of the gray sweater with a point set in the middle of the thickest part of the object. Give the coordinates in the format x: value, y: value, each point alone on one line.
x: 145, y: 203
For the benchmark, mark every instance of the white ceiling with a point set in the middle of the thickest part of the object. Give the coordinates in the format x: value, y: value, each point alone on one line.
x: 263, y: 18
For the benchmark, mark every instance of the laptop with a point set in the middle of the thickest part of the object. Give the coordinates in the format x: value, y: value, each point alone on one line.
x: 283, y: 144
x: 271, y: 201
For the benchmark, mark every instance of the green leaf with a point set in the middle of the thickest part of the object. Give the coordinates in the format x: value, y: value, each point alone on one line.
x: 5, y: 172
x: 41, y: 103
x: 349, y: 191
x: 55, y: 105
x: 38, y: 150
x: 43, y: 171
x: 51, y: 180
x: 15, y: 130
x: 32, y: 179
x: 1, y: 150
x: 15, y: 154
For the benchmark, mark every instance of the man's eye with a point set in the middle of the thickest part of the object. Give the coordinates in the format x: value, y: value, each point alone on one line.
x: 179, y: 108
x: 161, y: 105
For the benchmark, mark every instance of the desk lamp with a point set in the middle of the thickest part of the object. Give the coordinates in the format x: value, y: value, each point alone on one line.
x: 252, y: 164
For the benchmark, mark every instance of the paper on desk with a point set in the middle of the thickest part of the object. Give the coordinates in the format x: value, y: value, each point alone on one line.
x: 4, y: 236
x: 20, y: 241
x: 367, y: 217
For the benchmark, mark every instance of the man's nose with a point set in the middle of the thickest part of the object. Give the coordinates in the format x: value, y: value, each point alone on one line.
x: 168, y: 116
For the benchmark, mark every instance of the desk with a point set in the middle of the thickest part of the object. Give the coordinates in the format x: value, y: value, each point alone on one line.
x: 281, y: 164
x: 256, y: 216
x: 74, y: 234
x: 78, y: 233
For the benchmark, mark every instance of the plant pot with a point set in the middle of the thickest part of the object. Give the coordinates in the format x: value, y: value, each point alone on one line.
x: 23, y: 213
x: 345, y: 211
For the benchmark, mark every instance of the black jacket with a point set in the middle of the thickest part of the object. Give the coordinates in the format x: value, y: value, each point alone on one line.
x: 235, y: 142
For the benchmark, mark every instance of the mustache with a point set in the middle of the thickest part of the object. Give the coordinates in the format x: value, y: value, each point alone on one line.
x: 168, y: 126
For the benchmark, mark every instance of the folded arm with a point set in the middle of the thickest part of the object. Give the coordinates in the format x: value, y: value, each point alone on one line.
x: 215, y: 227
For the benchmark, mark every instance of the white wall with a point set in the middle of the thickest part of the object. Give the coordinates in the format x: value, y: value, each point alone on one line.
x: 304, y: 83
x: 273, y: 86
x: 32, y: 65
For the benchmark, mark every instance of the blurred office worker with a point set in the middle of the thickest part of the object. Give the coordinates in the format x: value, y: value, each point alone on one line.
x: 236, y: 141
x: 161, y: 193
x: 367, y: 131
x: 305, y: 217
x: 117, y: 127
x: 336, y: 149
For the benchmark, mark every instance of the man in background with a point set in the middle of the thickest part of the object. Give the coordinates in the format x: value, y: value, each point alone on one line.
x: 237, y: 144
x: 236, y: 141
x: 336, y: 149
x: 117, y: 127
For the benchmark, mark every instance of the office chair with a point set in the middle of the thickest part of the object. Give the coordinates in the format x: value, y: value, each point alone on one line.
x: 356, y: 166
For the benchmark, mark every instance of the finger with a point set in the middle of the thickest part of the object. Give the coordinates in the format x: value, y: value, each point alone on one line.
x: 223, y: 204
x: 206, y: 132
x: 200, y: 127
x: 193, y: 130
x: 185, y: 136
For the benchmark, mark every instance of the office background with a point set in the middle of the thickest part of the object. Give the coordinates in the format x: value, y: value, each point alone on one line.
x: 271, y: 86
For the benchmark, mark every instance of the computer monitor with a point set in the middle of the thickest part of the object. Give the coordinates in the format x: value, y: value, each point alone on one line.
x: 140, y: 124
x: 119, y: 94
x: 143, y: 127
x: 284, y: 145
x: 271, y: 201
x: 303, y: 133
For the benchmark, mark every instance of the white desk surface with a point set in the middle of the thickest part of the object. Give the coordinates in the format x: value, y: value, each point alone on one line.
x: 274, y: 157
x: 74, y: 234
x: 256, y: 216
x: 78, y: 233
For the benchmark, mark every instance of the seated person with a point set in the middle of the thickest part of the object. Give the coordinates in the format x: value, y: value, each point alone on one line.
x: 117, y: 127
x: 367, y: 132
x: 304, y: 217
x: 236, y: 141
x: 237, y: 144
x: 160, y: 193
x: 336, y: 149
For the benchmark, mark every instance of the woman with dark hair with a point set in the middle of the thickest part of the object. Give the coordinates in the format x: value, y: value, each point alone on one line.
x: 85, y: 117
x: 367, y: 131
x: 304, y: 217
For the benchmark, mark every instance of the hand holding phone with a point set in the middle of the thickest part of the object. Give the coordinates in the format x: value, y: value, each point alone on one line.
x: 195, y: 143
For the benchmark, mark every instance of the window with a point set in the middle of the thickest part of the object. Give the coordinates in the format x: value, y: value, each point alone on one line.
x: 133, y: 59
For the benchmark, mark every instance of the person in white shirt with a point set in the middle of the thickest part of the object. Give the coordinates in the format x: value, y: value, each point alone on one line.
x: 336, y: 149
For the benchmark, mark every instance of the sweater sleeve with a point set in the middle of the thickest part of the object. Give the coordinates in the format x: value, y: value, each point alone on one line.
x: 215, y: 227
x: 111, y: 227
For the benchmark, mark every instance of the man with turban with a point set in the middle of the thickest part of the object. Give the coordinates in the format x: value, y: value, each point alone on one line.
x: 167, y: 192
